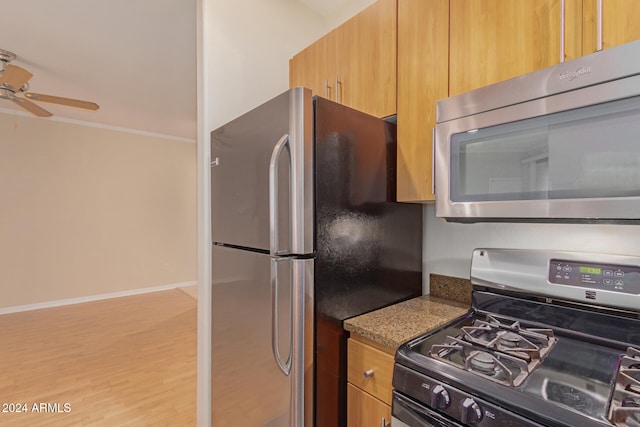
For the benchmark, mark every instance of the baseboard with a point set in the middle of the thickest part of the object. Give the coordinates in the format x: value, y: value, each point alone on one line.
x: 58, y: 303
x: 192, y: 291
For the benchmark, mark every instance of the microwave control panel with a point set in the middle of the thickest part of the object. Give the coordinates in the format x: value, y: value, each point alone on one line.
x: 609, y: 277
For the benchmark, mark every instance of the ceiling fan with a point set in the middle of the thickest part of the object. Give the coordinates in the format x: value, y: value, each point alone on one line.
x: 14, y: 81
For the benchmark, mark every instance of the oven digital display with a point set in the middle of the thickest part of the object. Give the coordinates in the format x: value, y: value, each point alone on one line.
x: 590, y: 270
x: 617, y: 278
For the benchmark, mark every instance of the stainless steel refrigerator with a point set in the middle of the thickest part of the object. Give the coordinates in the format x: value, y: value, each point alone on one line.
x: 305, y: 234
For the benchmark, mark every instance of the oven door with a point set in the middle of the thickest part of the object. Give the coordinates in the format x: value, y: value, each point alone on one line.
x: 409, y: 413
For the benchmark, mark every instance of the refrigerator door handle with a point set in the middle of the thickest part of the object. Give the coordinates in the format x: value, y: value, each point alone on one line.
x: 302, y: 323
x: 285, y: 367
x: 273, y: 193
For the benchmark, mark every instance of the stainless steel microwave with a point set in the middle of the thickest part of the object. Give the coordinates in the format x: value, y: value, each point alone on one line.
x: 558, y: 144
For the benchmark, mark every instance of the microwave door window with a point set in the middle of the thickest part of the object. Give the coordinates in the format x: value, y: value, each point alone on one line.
x: 589, y: 152
x: 499, y: 164
x: 597, y: 156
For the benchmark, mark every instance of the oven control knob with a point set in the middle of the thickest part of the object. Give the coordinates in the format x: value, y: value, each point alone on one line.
x: 470, y: 411
x: 440, y: 398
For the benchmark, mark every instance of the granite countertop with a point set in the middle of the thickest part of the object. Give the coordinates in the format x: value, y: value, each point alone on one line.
x: 394, y: 325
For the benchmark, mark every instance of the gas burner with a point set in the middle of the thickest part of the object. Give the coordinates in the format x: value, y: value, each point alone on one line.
x: 624, y: 409
x: 510, y: 340
x: 482, y: 361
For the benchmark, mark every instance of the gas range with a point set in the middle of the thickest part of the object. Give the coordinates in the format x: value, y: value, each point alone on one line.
x: 550, y: 341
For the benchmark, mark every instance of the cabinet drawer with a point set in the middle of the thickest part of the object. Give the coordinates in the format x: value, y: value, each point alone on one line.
x: 370, y: 369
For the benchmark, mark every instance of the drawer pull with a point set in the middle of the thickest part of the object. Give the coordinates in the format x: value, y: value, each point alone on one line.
x: 368, y: 373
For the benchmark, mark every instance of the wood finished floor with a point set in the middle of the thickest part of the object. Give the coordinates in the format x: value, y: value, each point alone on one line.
x: 127, y: 361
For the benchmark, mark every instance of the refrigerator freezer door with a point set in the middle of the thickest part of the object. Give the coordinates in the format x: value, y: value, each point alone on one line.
x: 248, y: 387
x: 261, y: 160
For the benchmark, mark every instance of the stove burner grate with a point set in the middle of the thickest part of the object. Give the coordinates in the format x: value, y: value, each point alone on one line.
x: 503, y: 352
x: 624, y: 409
x: 499, y: 367
x: 526, y: 343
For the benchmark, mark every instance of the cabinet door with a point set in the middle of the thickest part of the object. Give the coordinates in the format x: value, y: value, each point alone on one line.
x: 366, y: 64
x: 620, y: 23
x: 494, y: 40
x: 364, y: 410
x: 423, y: 76
x: 314, y: 67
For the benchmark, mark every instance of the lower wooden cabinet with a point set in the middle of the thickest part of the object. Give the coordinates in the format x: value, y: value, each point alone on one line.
x: 364, y: 410
x: 369, y: 374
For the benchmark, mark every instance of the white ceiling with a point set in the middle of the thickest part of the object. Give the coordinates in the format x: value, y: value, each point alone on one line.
x: 135, y: 58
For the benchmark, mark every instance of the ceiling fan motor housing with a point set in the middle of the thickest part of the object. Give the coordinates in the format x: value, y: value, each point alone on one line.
x: 5, y: 58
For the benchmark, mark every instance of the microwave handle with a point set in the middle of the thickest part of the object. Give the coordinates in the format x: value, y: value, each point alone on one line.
x: 433, y: 161
x: 599, y: 18
x: 562, y: 31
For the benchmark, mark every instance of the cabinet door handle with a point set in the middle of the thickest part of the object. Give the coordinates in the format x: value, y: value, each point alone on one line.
x: 433, y: 161
x: 368, y: 373
x: 327, y: 89
x: 562, y: 31
x: 338, y: 87
x: 384, y: 422
x: 599, y: 18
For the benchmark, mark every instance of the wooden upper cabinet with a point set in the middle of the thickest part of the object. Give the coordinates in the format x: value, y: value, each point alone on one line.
x: 494, y: 40
x: 423, y: 77
x: 366, y: 64
x: 355, y: 64
x: 620, y: 23
x: 314, y: 66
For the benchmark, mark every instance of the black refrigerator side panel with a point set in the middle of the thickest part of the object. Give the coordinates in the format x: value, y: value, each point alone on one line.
x: 369, y: 248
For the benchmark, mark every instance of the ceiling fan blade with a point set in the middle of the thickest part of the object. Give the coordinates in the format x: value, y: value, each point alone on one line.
x: 31, y: 107
x: 15, y: 77
x: 63, y: 101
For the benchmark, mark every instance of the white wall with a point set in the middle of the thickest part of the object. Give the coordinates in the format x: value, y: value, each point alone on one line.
x: 250, y: 43
x: 448, y: 246
x: 91, y: 210
x: 244, y: 47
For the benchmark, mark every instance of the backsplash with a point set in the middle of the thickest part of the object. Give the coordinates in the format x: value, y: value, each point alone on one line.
x: 451, y: 288
x: 448, y: 246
